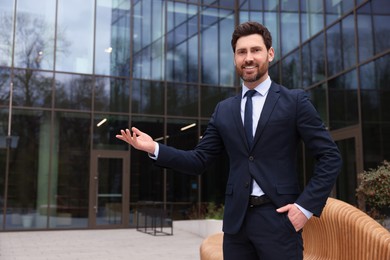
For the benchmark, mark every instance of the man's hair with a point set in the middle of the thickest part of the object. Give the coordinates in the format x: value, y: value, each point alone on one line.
x: 249, y: 28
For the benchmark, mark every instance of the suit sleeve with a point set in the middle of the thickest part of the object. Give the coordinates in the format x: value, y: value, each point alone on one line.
x: 327, y: 157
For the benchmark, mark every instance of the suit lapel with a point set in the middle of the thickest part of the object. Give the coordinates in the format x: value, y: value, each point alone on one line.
x: 269, y: 105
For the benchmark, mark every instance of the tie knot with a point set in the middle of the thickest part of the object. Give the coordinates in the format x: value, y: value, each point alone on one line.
x: 250, y: 93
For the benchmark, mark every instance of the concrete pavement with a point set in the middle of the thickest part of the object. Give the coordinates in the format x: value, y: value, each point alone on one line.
x: 98, y: 245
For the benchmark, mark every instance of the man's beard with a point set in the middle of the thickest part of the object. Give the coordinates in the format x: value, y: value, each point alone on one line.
x: 261, y: 71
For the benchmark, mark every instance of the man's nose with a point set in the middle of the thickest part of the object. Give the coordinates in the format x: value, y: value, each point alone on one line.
x: 248, y: 57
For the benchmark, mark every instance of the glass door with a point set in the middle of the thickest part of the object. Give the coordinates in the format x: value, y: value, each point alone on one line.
x: 349, y: 142
x: 108, y: 196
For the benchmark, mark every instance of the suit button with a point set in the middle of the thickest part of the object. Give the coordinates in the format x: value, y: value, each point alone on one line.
x: 247, y: 185
x: 251, y: 158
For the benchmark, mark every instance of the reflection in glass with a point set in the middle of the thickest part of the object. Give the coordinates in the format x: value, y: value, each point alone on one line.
x: 211, y: 95
x: 347, y: 179
x: 291, y: 70
x: 216, y: 45
x: 147, y: 97
x: 32, y: 88
x: 111, y: 94
x: 74, y: 47
x: 105, y: 128
x: 70, y: 179
x: 343, y: 101
x: 365, y: 32
x: 182, y: 188
x: 146, y: 181
x: 73, y: 91
x: 334, y: 9
x: 148, y: 40
x: 5, y: 86
x: 375, y: 99
x: 341, y: 49
x: 318, y: 96
x: 34, y: 39
x: 29, y: 170
x: 271, y: 20
x: 182, y: 100
x: 112, y: 40
x: 313, y: 61
x: 6, y: 35
x: 182, y: 43
x: 289, y: 31
x: 381, y: 20
x: 109, y: 191
x: 312, y: 18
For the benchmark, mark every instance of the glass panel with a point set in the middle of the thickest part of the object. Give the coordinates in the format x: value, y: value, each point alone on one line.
x: 34, y: 39
x: 341, y: 46
x: 146, y: 181
x: 313, y: 61
x: 73, y: 91
x: 343, y: 100
x: 334, y: 49
x: 365, y: 32
x: 381, y: 20
x: 182, y: 52
x: 291, y: 71
x: 348, y: 44
x: 337, y: 8
x: 112, y: 40
x: 289, y: 31
x: 211, y: 95
x: 312, y: 18
x: 216, y: 46
x: 105, y: 128
x: 111, y: 94
x: 28, y: 170
x: 214, y: 179
x: 318, y: 97
x: 289, y: 27
x: 5, y: 85
x: 182, y: 189
x: 375, y: 100
x: 109, y: 191
x: 7, y: 32
x: 271, y: 20
x: 70, y: 179
x: 182, y: 100
x: 147, y: 97
x: 74, y: 52
x: 148, y: 40
x: 32, y: 88
x: 347, y: 180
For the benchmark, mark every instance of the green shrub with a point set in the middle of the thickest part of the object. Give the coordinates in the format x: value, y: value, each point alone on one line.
x: 374, y: 188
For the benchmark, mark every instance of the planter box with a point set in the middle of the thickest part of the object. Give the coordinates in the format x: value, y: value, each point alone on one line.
x: 200, y: 227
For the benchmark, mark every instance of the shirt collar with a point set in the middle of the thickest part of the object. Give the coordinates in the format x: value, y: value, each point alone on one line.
x: 262, y: 88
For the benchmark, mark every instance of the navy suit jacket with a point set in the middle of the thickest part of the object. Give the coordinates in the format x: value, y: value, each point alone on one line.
x: 287, y: 117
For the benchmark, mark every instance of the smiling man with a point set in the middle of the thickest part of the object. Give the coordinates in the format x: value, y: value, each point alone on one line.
x: 260, y: 129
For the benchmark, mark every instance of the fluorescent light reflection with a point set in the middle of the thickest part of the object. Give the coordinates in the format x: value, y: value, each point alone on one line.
x: 187, y: 127
x: 161, y: 138
x: 101, y: 122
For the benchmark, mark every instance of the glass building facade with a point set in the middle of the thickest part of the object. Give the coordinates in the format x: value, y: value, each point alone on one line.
x: 73, y: 73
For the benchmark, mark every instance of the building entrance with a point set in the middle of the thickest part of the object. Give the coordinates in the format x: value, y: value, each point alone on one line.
x: 109, y: 195
x: 349, y: 142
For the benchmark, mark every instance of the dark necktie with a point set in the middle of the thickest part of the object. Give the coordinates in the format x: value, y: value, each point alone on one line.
x: 248, y: 122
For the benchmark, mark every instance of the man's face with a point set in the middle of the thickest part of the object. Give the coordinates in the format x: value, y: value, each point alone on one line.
x: 251, y: 58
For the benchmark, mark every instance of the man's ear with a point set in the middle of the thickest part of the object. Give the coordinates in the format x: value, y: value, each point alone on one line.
x: 271, y: 54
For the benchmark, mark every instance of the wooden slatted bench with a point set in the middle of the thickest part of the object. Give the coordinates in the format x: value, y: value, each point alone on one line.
x: 343, y: 232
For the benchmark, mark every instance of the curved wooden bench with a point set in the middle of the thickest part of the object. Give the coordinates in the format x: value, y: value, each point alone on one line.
x: 343, y: 232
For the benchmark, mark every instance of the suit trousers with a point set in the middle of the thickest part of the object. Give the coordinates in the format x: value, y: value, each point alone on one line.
x: 266, y: 235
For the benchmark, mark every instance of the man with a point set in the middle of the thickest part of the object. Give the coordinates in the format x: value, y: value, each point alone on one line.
x: 265, y: 210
